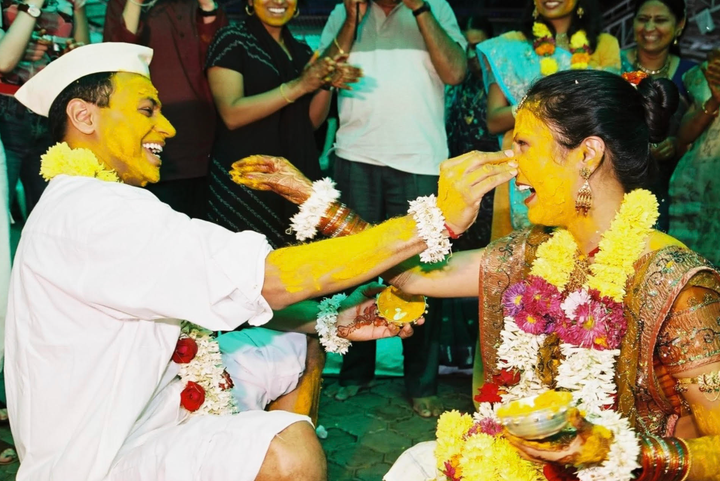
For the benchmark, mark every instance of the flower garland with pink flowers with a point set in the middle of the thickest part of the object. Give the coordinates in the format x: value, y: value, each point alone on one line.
x: 590, y: 325
x: 207, y: 383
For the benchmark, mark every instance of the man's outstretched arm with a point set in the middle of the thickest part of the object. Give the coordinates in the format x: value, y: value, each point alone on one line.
x: 293, y: 274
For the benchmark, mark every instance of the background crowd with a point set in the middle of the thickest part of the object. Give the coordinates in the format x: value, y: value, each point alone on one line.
x: 432, y: 86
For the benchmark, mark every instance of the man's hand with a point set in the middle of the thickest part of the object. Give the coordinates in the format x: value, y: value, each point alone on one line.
x: 358, y: 319
x: 37, y: 47
x: 589, y: 446
x: 276, y: 174
x: 355, y: 10
x: 464, y: 180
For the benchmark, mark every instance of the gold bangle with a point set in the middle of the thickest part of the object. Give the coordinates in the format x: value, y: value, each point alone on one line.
x: 337, y: 44
x: 705, y: 110
x: 287, y: 99
x: 688, y: 463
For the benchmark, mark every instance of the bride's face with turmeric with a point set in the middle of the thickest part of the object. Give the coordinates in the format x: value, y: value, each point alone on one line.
x: 546, y: 169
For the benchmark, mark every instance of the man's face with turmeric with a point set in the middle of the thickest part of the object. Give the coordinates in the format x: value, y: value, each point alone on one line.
x: 132, y: 130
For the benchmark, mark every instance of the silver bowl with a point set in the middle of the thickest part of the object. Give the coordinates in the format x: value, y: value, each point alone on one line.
x: 536, y: 424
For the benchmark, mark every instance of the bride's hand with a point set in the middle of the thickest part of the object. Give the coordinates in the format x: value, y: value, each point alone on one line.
x: 589, y: 446
x: 358, y: 318
x: 276, y: 174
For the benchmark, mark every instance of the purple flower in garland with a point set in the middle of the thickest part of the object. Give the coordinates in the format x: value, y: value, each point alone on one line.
x: 512, y: 299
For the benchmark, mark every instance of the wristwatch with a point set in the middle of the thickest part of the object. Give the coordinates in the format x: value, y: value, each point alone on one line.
x: 31, y: 10
x: 424, y: 8
x: 208, y: 13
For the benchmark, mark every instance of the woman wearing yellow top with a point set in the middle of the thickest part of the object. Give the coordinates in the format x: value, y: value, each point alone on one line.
x: 555, y: 36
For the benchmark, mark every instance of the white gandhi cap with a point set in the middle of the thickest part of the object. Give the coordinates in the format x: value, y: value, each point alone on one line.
x: 41, y: 90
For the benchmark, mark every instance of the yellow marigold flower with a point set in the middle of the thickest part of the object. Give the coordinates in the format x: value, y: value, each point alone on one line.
x: 451, y: 428
x: 579, y: 40
x: 579, y: 60
x: 555, y: 260
x: 540, y: 30
x: 61, y: 159
x: 548, y: 66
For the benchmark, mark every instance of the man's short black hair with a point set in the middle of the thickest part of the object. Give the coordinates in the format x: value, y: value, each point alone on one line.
x: 95, y: 88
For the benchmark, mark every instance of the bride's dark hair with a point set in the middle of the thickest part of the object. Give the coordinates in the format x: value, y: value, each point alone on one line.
x: 577, y: 104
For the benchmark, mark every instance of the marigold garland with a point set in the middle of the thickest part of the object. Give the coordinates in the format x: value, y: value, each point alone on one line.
x: 544, y: 46
x: 61, y: 159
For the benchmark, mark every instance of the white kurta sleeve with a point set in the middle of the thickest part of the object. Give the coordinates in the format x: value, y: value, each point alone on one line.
x: 332, y: 27
x: 138, y: 258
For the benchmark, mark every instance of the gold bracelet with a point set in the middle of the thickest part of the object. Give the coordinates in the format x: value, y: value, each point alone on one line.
x: 688, y: 463
x: 285, y: 96
x: 705, y: 110
x: 337, y: 44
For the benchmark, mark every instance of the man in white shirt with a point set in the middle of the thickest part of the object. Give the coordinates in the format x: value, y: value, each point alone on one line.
x: 104, y: 272
x: 391, y: 140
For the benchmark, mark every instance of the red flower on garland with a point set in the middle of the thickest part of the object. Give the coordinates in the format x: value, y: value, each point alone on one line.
x: 228, y: 384
x: 450, y: 472
x: 555, y: 472
x: 507, y: 377
x: 488, y: 393
x: 185, y: 350
x: 192, y: 397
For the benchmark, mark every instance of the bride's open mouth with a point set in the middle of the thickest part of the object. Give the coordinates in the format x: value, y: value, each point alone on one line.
x: 525, y: 189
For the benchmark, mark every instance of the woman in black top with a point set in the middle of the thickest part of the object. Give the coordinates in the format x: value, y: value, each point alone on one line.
x: 266, y: 86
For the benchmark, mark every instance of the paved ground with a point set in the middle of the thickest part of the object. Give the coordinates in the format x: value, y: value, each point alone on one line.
x: 365, y: 433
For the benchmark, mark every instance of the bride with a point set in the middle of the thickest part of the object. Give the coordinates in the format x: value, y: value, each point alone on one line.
x: 589, y: 301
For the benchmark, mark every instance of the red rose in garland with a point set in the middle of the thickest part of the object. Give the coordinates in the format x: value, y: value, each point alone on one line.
x: 192, y: 397
x: 185, y: 350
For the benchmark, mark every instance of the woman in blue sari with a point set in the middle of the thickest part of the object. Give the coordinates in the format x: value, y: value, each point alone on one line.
x: 562, y: 36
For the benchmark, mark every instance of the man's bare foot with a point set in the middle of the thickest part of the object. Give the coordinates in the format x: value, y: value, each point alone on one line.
x: 427, y: 406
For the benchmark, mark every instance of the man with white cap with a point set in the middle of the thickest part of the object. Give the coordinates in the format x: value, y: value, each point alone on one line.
x: 104, y: 271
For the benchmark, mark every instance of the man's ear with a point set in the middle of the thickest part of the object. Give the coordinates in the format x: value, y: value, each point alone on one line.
x: 82, y: 116
x: 593, y: 150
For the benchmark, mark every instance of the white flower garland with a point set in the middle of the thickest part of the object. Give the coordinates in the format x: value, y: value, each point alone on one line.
x: 431, y: 228
x: 207, y: 370
x: 326, y: 326
x: 305, y: 222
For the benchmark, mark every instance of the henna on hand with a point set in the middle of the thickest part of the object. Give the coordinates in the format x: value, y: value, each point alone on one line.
x: 276, y: 174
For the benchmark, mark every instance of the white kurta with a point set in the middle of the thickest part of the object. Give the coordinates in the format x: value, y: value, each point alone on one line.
x: 102, y: 274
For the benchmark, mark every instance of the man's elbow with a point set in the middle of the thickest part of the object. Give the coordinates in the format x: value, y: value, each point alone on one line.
x: 456, y: 75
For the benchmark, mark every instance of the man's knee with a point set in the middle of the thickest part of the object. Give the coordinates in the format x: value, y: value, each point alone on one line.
x: 294, y: 454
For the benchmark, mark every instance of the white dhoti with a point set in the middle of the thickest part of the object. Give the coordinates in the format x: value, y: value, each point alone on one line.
x: 264, y: 364
x: 415, y: 464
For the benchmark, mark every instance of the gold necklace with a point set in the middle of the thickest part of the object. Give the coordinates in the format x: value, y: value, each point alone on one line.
x: 662, y: 70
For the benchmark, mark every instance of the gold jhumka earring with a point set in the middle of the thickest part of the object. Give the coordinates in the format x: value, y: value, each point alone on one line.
x: 584, y: 198
x: 535, y: 13
x: 580, y: 12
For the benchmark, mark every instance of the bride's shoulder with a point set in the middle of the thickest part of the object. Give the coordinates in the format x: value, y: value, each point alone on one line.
x: 659, y: 240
